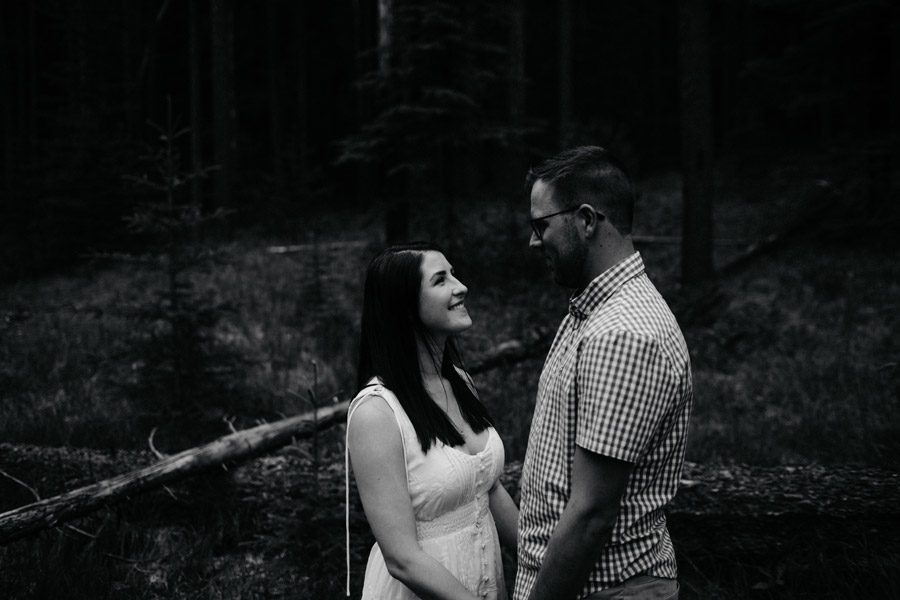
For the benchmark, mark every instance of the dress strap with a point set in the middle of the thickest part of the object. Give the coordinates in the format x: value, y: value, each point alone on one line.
x: 347, y: 506
x: 373, y: 388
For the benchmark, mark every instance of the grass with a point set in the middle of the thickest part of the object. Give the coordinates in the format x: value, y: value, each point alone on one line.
x: 151, y: 547
x: 799, y: 559
x: 800, y: 364
x: 68, y: 343
x: 795, y: 363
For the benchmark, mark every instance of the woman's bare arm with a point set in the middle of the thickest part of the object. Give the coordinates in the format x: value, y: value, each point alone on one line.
x: 376, y: 452
x: 506, y: 515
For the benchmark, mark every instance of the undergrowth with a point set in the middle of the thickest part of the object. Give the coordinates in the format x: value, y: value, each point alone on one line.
x: 795, y: 361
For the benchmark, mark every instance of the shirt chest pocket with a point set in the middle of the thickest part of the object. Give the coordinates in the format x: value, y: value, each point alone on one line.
x: 558, y: 377
x: 557, y: 394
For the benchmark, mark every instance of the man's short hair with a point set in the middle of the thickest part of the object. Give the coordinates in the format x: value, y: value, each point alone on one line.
x: 589, y: 175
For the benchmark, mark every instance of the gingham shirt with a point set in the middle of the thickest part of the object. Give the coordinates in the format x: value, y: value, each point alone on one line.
x: 617, y: 382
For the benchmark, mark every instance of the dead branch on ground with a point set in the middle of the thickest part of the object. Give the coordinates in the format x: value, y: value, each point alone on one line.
x: 236, y: 447
x: 233, y: 448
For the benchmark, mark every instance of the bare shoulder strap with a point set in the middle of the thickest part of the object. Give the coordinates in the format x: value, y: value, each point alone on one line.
x: 467, y: 379
x: 373, y: 389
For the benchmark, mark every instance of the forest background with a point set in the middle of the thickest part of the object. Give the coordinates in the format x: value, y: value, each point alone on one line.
x: 191, y: 191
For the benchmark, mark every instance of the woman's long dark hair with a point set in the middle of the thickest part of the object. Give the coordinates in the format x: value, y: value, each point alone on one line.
x: 388, y: 350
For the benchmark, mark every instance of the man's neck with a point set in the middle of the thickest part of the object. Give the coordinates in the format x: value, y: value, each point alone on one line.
x: 607, y: 256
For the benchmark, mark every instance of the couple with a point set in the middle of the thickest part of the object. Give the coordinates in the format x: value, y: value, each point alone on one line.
x: 607, y: 438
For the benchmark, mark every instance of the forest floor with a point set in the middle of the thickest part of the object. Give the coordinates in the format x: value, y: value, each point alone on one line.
x: 274, y: 528
x: 795, y: 358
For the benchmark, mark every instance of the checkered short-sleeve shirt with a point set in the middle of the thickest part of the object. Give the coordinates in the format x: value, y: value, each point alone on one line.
x: 617, y: 381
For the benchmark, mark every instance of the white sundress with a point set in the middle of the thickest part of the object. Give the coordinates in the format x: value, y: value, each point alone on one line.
x: 449, y: 493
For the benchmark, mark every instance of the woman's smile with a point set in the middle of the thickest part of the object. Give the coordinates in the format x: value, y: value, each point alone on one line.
x: 440, y: 293
x: 461, y: 305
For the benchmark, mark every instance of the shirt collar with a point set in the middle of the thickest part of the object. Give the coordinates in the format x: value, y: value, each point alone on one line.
x: 602, y: 287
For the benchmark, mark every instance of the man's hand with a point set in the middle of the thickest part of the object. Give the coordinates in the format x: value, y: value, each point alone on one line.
x: 598, y: 483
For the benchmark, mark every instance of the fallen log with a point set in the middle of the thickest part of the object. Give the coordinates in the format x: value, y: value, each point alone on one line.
x: 819, y: 204
x: 739, y: 491
x: 677, y: 239
x: 514, y: 351
x: 318, y: 247
x: 236, y: 447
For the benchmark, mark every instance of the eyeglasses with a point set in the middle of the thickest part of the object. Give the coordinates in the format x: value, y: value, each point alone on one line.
x: 538, y: 225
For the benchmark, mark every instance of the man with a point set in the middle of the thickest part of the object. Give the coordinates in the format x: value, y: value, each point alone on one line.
x: 608, y: 435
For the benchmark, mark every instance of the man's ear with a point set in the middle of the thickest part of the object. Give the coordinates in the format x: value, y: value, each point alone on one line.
x: 592, y: 219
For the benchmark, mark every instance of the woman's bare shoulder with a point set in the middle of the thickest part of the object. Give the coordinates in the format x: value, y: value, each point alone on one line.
x: 371, y: 418
x: 373, y: 434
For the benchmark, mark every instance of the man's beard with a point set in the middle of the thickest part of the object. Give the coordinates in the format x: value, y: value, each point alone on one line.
x: 568, y: 272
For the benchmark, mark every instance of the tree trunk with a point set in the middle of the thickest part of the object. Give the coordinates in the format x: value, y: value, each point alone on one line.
x: 359, y: 46
x: 148, y: 69
x: 396, y: 217
x: 79, y: 85
x: 696, y: 140
x: 894, y: 107
x: 449, y: 189
x: 365, y: 38
x: 7, y: 101
x: 302, y: 86
x: 222, y: 21
x: 396, y: 191
x: 894, y: 75
x: 195, y: 100
x: 515, y: 171
x: 20, y: 87
x: 385, y: 35
x: 276, y: 126
x: 731, y: 61
x: 826, y: 106
x: 130, y: 34
x: 659, y: 101
x: 517, y: 62
x: 31, y: 106
x: 565, y: 71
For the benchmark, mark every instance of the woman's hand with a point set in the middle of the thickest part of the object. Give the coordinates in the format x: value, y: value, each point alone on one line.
x: 506, y: 515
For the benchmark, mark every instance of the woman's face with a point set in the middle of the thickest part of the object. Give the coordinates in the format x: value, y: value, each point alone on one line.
x: 441, y: 297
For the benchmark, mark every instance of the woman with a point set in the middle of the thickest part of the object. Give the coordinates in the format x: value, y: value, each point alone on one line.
x: 425, y: 455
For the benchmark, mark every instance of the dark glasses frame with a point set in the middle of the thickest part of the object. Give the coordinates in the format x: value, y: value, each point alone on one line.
x: 534, y: 222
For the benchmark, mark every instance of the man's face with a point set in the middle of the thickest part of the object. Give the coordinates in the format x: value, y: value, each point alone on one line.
x: 559, y: 242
